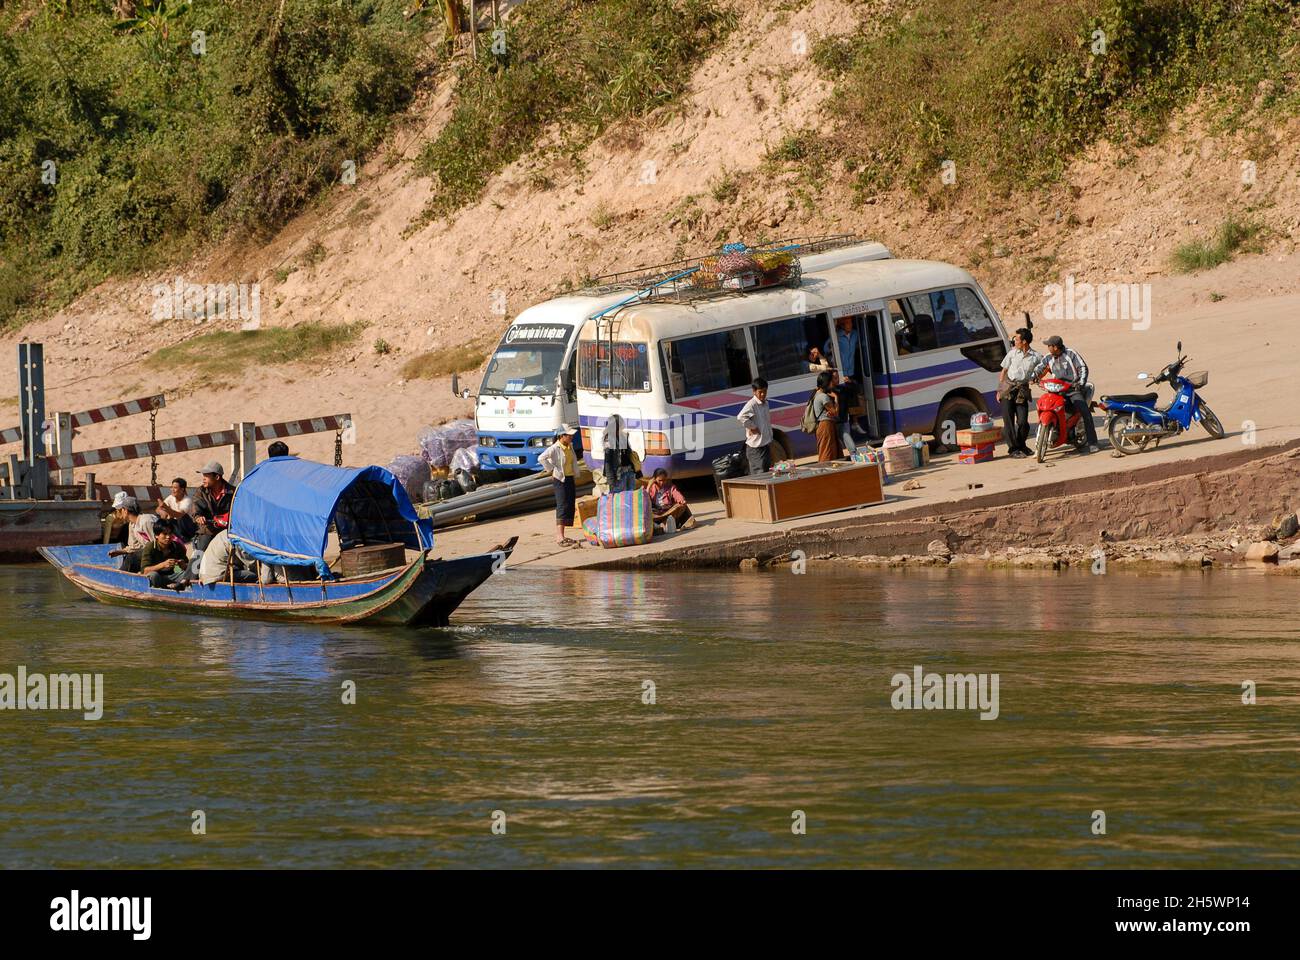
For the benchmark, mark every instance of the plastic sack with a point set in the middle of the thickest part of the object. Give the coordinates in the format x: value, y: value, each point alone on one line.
x: 438, y: 445
x: 432, y: 447
x: 624, y: 519
x: 464, y: 459
x: 459, y: 435
x: 411, y: 472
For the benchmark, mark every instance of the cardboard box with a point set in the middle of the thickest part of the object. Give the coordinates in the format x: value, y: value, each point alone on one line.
x: 981, y: 454
x: 978, y: 438
x: 586, y: 507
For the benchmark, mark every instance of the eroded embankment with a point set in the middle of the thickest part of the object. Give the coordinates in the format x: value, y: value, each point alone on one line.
x: 1198, y: 512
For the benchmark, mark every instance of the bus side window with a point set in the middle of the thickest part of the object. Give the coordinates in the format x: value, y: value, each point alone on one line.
x: 904, y: 332
x: 708, y: 363
x: 974, y: 318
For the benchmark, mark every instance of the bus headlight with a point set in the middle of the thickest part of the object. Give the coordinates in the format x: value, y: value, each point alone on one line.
x: 487, y: 441
x: 539, y: 442
x: 656, y: 445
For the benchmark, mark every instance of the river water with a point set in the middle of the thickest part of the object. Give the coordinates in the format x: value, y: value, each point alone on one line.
x: 772, y: 694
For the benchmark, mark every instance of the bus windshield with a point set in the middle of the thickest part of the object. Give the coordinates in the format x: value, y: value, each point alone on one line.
x: 528, y: 361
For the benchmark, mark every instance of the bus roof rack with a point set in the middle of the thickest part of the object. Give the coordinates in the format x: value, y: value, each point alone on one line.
x: 674, y: 275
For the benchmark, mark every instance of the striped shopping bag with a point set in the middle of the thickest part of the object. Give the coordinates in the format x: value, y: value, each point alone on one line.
x: 624, y: 519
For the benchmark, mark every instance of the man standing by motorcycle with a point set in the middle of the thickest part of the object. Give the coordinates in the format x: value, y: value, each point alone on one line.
x: 1018, y: 366
x: 1066, y: 364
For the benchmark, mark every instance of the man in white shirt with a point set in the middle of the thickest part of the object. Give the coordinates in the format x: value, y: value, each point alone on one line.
x: 756, y: 417
x: 178, y: 507
x: 139, y: 531
x: 1018, y: 368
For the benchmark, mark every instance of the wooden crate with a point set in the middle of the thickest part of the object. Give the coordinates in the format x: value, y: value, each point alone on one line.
x: 820, y: 488
x: 370, y: 559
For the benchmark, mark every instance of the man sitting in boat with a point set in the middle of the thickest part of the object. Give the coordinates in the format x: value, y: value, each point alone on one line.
x: 212, y: 505
x: 178, y: 507
x: 215, y: 565
x: 140, y: 529
x: 163, y: 559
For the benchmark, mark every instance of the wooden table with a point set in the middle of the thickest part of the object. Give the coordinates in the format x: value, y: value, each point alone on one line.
x: 806, y: 490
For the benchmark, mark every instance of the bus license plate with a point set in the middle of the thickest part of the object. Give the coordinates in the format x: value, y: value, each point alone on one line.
x: 513, y: 461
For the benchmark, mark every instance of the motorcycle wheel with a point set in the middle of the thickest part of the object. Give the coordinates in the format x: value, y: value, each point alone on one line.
x: 1211, y: 422
x: 1046, y: 440
x: 1128, y: 446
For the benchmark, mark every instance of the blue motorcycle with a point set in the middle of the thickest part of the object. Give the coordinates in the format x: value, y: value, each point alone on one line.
x: 1134, y: 420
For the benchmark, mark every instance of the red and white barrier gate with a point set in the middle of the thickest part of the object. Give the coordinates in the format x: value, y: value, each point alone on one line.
x: 198, y: 441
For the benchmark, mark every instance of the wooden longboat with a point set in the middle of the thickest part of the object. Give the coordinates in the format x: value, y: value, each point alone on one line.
x: 423, y: 593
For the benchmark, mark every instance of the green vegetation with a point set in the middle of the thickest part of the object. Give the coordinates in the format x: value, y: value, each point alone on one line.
x: 1235, y: 236
x: 1011, y: 92
x: 449, y: 360
x: 229, y: 351
x: 725, y: 187
x: 126, y: 142
x: 581, y: 65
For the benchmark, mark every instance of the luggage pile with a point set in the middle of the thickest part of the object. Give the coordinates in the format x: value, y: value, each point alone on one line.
x: 977, y: 443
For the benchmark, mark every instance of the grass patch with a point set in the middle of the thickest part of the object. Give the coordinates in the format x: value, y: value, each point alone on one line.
x: 229, y: 351
x: 448, y: 360
x: 581, y: 66
x: 1233, y: 237
x: 602, y: 218
x: 725, y: 187
x: 1012, y: 92
x: 121, y: 149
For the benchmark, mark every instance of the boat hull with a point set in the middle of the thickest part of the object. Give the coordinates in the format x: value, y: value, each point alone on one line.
x: 423, y: 593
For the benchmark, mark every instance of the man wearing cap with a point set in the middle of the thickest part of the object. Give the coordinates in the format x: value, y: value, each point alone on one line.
x: 212, y: 504
x: 1062, y: 363
x: 139, y: 529
x: 559, y: 461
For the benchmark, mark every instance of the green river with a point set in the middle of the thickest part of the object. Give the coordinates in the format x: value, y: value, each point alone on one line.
x: 771, y: 740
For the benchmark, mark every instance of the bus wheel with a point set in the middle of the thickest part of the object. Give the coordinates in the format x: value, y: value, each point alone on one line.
x: 780, y: 447
x: 957, y: 411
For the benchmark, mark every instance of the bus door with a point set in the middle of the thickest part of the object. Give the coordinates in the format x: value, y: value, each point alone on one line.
x: 867, y: 361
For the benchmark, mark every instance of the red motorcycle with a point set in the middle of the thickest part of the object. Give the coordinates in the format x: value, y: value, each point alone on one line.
x: 1054, y: 427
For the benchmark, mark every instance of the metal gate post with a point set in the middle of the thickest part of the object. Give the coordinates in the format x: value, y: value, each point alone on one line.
x: 63, y: 443
x: 245, y: 449
x: 31, y: 399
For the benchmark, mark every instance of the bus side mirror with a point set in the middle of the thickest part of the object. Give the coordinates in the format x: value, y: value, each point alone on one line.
x: 455, y: 385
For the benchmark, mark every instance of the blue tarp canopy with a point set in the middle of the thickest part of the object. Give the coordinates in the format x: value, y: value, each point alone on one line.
x: 282, y: 511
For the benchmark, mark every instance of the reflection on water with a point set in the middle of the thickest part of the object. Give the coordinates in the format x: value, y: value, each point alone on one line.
x: 1120, y: 693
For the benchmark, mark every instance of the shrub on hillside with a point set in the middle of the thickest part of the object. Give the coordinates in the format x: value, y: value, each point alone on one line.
x: 161, y: 137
